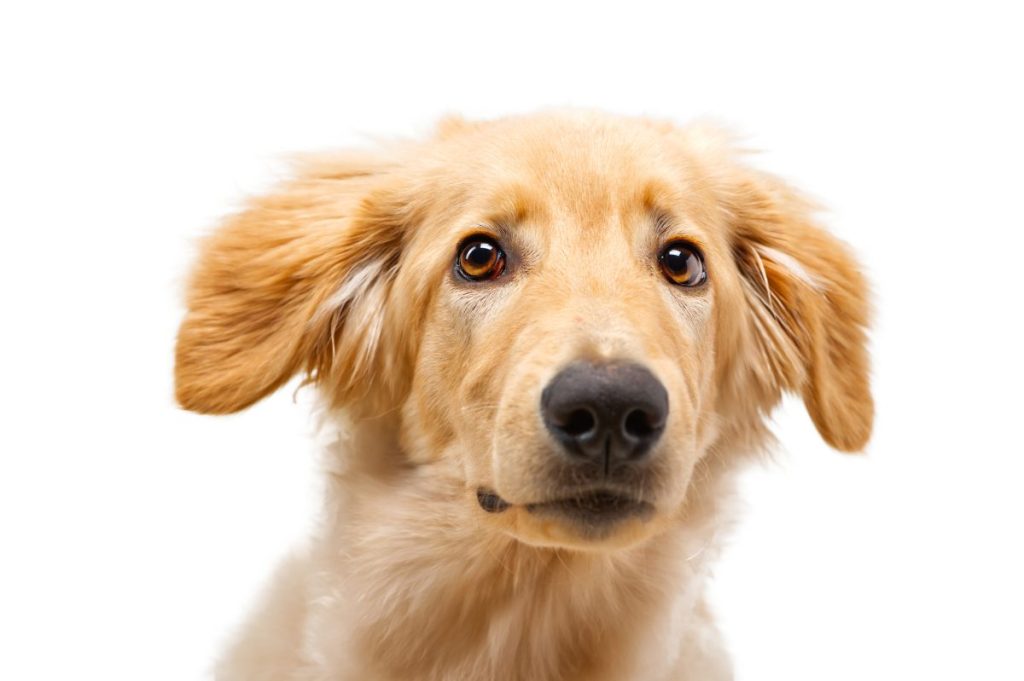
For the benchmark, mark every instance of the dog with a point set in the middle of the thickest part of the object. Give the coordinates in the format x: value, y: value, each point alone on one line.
x: 546, y: 343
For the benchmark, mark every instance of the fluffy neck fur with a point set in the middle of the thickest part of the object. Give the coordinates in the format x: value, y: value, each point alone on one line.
x: 408, y: 583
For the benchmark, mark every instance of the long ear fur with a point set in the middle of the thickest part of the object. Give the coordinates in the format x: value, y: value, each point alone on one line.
x: 808, y: 305
x: 276, y: 284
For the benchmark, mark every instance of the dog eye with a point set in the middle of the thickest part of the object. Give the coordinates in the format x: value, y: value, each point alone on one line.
x: 683, y: 264
x: 480, y: 259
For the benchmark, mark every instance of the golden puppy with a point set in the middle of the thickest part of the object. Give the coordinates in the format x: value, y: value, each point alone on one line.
x: 547, y: 343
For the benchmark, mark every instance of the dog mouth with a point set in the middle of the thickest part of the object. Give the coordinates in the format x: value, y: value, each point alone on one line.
x: 593, y: 508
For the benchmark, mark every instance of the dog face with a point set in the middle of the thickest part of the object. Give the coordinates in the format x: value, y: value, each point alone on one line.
x: 568, y: 312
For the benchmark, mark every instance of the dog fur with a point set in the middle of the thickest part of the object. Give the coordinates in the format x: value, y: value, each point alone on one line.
x: 344, y: 274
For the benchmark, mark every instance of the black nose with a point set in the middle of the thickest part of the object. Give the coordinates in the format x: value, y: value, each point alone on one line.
x: 609, y: 412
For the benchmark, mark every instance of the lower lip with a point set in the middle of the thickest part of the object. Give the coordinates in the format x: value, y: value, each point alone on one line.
x: 593, y: 511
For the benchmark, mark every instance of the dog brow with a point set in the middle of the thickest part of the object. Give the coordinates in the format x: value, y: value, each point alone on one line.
x: 514, y: 204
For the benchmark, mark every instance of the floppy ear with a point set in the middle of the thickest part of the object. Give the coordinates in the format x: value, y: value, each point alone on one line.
x: 808, y: 305
x: 297, y: 281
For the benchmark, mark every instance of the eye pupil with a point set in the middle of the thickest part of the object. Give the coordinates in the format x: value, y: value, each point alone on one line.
x: 480, y: 259
x: 677, y: 260
x: 682, y: 264
x: 480, y: 255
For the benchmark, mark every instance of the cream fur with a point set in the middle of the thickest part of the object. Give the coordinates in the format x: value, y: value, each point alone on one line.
x: 431, y: 388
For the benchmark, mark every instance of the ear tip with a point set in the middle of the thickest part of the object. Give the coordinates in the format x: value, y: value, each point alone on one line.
x: 205, y: 399
x: 850, y: 445
x: 207, y: 381
x: 190, y: 399
x: 849, y: 431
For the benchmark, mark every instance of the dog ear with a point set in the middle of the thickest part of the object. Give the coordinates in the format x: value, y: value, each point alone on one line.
x: 808, y: 308
x: 298, y: 281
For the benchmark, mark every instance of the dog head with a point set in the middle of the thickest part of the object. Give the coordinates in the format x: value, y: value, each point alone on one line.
x: 570, y: 311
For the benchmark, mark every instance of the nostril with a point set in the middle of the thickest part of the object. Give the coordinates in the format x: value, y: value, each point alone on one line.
x: 638, y: 424
x: 579, y: 422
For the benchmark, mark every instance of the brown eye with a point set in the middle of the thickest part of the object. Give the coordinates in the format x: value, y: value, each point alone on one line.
x: 480, y: 259
x: 683, y: 264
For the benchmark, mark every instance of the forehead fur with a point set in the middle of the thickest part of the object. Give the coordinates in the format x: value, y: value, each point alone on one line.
x: 586, y: 161
x: 579, y: 170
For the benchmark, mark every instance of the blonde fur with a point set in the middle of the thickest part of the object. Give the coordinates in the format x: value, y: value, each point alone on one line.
x: 431, y: 386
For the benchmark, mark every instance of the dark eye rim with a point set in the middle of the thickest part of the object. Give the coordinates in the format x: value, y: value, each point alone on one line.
x: 695, y: 250
x: 500, y: 263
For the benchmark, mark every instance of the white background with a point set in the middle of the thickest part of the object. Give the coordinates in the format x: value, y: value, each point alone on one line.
x: 134, y: 535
